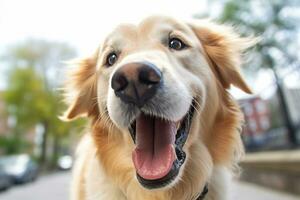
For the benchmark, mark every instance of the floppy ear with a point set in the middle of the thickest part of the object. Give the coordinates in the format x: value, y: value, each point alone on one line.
x: 80, y: 89
x: 224, y: 49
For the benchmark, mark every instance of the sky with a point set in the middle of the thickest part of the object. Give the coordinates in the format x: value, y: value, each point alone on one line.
x: 82, y: 23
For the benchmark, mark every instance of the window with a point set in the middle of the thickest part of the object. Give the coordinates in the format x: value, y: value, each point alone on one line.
x: 264, y: 122
x: 260, y: 106
x: 252, y: 125
x: 248, y: 109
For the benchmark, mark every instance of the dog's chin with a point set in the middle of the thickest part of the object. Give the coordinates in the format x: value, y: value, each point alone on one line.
x: 158, y: 155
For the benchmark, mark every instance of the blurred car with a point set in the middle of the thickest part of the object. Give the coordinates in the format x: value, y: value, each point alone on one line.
x: 65, y: 162
x: 5, y: 180
x: 21, y: 168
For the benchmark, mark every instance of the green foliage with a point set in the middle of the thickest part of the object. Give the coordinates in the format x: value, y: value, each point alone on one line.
x: 273, y: 22
x: 26, y: 97
x: 31, y: 95
x: 45, y: 57
x: 14, y: 144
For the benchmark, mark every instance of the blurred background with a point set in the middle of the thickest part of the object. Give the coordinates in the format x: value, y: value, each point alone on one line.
x: 36, y: 36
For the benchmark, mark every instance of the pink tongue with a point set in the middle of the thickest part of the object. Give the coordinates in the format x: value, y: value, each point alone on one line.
x: 154, y: 154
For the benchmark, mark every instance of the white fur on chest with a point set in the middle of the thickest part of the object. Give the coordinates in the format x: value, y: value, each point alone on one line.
x: 219, y: 184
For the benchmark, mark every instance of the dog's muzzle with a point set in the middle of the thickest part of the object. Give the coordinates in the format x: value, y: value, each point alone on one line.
x: 158, y: 154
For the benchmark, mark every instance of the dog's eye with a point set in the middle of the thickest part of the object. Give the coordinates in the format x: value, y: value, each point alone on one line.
x: 176, y: 44
x: 111, y: 59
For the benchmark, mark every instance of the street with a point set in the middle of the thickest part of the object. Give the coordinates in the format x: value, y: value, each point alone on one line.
x: 48, y: 187
x: 56, y: 187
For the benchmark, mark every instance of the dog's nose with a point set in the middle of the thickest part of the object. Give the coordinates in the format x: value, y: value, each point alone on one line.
x: 136, y: 82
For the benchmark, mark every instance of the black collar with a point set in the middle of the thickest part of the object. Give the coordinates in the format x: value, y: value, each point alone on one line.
x: 203, y: 193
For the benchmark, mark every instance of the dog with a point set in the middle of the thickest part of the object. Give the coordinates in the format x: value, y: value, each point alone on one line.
x: 163, y: 125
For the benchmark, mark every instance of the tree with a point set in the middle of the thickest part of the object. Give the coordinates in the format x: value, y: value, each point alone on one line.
x: 31, y: 95
x: 45, y: 57
x: 273, y: 22
x: 26, y: 101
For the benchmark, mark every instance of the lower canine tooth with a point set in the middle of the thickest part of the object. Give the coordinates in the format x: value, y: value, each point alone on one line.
x: 177, y: 125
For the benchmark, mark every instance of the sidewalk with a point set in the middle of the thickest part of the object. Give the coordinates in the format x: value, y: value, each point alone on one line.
x: 282, y: 160
x: 271, y: 156
x: 248, y: 191
x: 279, y: 170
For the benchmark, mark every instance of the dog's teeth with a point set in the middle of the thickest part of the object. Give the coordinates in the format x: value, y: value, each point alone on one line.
x: 178, y: 125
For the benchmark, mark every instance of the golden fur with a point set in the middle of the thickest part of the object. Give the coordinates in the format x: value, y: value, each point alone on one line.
x: 104, y: 169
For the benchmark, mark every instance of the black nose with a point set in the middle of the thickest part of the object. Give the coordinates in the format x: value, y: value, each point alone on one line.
x: 136, y: 83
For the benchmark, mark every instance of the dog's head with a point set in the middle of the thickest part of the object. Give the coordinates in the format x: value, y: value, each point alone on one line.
x: 163, y: 82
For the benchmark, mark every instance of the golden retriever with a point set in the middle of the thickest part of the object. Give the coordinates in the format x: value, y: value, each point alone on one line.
x: 163, y: 125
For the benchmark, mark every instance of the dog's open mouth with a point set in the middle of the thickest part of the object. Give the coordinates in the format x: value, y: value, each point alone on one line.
x: 159, y: 153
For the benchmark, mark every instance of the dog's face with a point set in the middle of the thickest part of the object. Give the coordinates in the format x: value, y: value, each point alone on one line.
x: 152, y: 81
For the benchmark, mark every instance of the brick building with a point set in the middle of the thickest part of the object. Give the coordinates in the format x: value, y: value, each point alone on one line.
x: 257, y: 119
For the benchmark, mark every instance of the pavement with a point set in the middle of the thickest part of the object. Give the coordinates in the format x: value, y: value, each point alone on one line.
x: 287, y: 160
x: 56, y: 187
x: 48, y: 187
x: 273, y: 156
x: 248, y: 191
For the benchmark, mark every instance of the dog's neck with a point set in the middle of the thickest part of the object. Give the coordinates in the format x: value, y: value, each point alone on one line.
x: 203, y: 194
